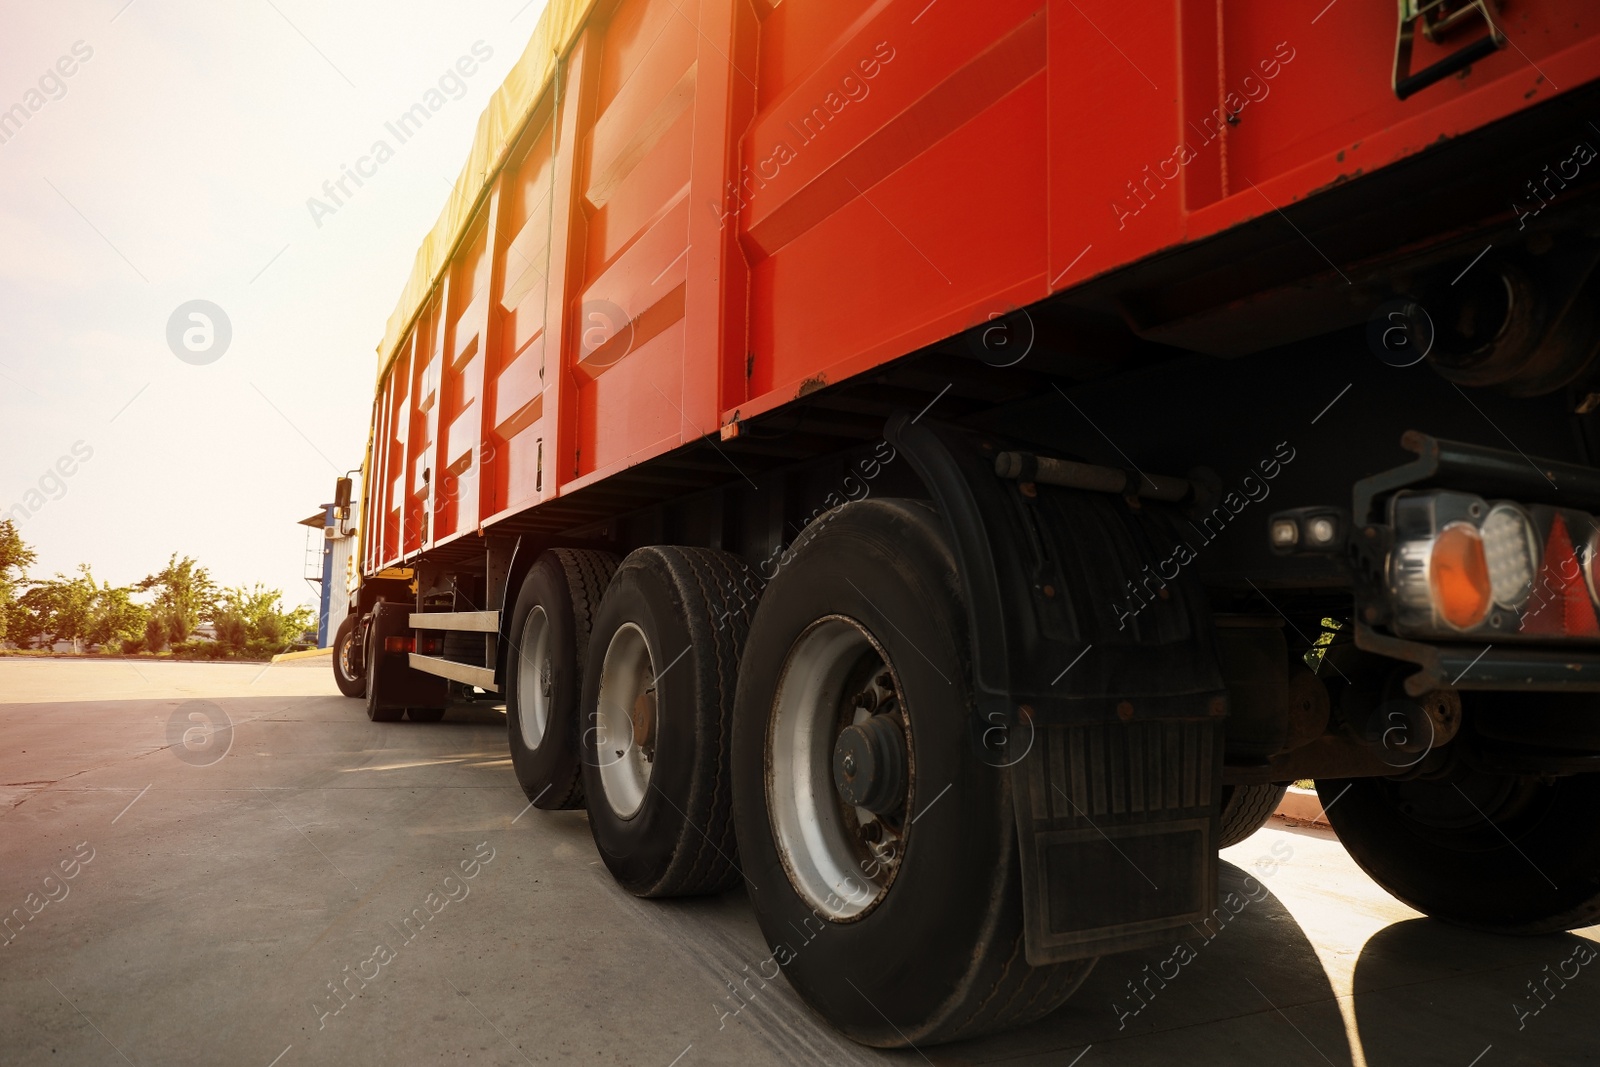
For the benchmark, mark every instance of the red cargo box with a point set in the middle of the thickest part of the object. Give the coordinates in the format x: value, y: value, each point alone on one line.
x: 708, y: 209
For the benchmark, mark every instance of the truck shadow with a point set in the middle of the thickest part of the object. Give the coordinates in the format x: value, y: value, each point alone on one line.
x: 1426, y: 991
x: 1250, y: 981
x: 477, y: 713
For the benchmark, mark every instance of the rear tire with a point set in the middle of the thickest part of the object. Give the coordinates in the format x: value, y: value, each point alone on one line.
x: 1503, y: 853
x: 658, y: 691
x: 549, y: 634
x: 1246, y: 809
x: 351, y: 680
x: 923, y: 943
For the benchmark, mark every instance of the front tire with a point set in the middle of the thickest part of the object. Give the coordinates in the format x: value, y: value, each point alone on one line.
x: 895, y: 913
x: 349, y: 672
x: 1512, y: 854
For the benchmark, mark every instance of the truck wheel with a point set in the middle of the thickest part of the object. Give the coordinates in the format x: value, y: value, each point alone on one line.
x: 894, y: 909
x: 658, y: 691
x: 1246, y: 809
x: 374, y: 663
x: 1513, y: 854
x: 350, y: 678
x: 549, y: 632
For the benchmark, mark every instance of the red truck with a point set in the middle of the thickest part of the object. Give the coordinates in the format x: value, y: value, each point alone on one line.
x: 947, y: 466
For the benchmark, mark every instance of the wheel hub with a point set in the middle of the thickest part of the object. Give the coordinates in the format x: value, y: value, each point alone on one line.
x: 534, y: 678
x: 347, y: 655
x: 869, y: 765
x: 644, y: 724
x: 626, y: 720
x: 841, y: 769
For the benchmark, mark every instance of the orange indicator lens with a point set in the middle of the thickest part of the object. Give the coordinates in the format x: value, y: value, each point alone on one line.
x: 1458, y: 576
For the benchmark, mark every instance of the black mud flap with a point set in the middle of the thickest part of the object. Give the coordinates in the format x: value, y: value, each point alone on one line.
x: 1096, y: 681
x: 398, y: 684
x: 1118, y: 831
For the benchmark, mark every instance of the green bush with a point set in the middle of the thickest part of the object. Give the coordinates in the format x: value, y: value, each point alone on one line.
x: 252, y: 622
x: 232, y: 630
x: 262, y: 648
x: 155, y: 634
x: 185, y: 594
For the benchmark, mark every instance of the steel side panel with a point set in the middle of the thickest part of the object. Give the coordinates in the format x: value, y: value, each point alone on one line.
x: 827, y: 186
x: 635, y: 158
x: 517, y: 424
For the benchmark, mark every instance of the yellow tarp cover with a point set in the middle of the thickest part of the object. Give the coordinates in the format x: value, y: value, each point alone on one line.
x: 498, y: 128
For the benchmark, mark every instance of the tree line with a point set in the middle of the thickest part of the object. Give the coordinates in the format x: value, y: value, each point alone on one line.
x: 249, y: 622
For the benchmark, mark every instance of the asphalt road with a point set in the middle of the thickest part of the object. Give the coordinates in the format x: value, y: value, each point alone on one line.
x: 193, y: 900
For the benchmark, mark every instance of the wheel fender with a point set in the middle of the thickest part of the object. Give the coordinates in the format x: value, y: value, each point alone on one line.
x: 1036, y: 602
x: 1109, y: 703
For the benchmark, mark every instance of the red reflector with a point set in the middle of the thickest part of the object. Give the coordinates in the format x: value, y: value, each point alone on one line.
x: 1560, y: 605
x: 406, y: 644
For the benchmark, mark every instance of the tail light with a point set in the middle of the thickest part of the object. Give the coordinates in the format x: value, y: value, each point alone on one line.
x: 1458, y: 576
x: 1565, y: 606
x: 1461, y: 565
x: 399, y: 644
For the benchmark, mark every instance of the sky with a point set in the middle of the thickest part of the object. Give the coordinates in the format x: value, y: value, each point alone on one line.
x: 176, y: 163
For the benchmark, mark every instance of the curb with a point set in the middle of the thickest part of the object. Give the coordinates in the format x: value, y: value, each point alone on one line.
x: 309, y: 653
x: 1302, y: 806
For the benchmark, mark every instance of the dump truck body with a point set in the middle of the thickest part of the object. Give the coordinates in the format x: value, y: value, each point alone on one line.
x: 707, y: 214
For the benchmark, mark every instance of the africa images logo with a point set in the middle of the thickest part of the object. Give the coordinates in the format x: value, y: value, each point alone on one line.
x: 199, y: 733
x: 403, y: 128
x: 199, y: 332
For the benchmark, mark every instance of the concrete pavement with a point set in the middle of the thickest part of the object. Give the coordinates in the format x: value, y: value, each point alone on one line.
x: 220, y: 863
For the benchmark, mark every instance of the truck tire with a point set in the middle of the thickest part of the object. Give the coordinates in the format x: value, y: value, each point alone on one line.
x: 910, y: 934
x: 1246, y: 809
x: 1511, y: 854
x: 351, y: 679
x: 425, y: 714
x: 658, y: 690
x: 549, y: 638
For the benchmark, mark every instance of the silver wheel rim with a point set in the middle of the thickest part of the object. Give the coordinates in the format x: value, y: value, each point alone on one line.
x: 842, y: 859
x: 535, y: 676
x: 346, y: 650
x: 625, y: 725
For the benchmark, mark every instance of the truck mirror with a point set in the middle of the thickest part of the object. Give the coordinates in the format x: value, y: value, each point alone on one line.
x: 341, y: 498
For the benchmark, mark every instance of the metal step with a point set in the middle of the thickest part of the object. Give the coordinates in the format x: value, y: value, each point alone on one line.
x: 482, y: 677
x: 486, y: 622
